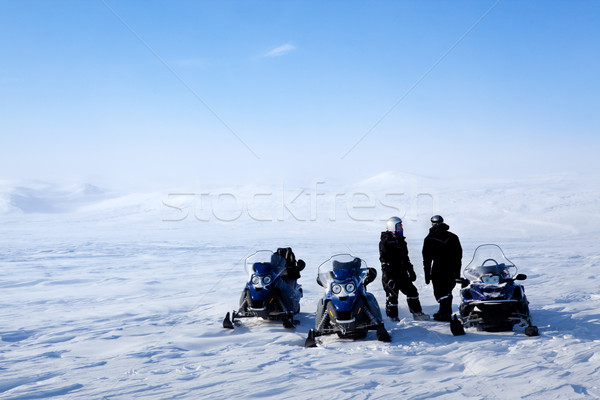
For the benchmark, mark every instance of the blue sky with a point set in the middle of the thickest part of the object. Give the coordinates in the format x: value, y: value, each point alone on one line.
x: 174, y: 93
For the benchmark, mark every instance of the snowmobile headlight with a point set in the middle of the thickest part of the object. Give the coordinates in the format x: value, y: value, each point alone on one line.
x: 336, y: 289
x: 350, y: 287
x: 255, y: 280
x: 267, y: 279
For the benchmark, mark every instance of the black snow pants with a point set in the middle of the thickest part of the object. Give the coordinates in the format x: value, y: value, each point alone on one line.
x: 392, y: 286
x: 442, y: 290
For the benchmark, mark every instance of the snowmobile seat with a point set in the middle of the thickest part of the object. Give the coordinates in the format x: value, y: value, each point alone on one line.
x: 353, y: 265
x: 344, y: 270
x: 262, y: 268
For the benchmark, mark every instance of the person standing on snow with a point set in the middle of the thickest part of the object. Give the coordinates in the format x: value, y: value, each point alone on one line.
x: 442, y: 257
x: 398, y: 273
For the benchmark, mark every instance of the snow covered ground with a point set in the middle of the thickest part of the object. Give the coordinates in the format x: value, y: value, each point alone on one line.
x: 121, y: 296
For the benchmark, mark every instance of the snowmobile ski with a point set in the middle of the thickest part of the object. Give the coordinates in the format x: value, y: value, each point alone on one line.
x: 227, y: 322
x: 456, y: 327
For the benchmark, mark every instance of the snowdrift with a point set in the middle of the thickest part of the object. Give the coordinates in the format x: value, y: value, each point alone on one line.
x: 121, y: 295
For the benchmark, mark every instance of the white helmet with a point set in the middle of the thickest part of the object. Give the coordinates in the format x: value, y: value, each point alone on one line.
x: 392, y: 223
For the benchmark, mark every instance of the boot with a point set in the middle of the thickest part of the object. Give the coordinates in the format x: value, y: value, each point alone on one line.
x: 445, y: 312
x: 391, y: 310
x: 420, y: 316
x: 414, y: 305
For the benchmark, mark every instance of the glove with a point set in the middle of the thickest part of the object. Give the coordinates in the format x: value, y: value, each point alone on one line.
x: 411, y: 275
x: 427, y: 277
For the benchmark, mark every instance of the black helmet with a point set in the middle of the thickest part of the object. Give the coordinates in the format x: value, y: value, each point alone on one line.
x: 437, y: 219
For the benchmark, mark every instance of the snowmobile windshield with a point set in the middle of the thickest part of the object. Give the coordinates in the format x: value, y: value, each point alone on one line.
x: 489, y: 265
x: 342, y: 267
x: 263, y: 263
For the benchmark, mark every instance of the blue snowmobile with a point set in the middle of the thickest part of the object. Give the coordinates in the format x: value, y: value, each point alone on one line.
x: 346, y: 308
x: 491, y: 300
x: 272, y: 291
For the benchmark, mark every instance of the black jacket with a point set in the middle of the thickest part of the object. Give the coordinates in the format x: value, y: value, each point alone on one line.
x: 442, y: 253
x: 292, y: 267
x: 393, y: 254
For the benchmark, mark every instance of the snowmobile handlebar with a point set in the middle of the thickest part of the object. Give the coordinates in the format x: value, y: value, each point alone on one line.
x: 464, y: 282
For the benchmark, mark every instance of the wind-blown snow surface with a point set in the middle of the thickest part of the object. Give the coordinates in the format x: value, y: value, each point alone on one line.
x: 122, y: 297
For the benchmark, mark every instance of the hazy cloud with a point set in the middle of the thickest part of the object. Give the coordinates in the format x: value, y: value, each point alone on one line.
x: 280, y: 50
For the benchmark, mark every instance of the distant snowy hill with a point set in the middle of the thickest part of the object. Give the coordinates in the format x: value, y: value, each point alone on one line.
x: 43, y: 197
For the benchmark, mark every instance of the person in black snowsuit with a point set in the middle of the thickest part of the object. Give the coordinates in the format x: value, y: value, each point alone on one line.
x: 398, y: 273
x: 290, y: 276
x: 442, y: 257
x: 292, y: 267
